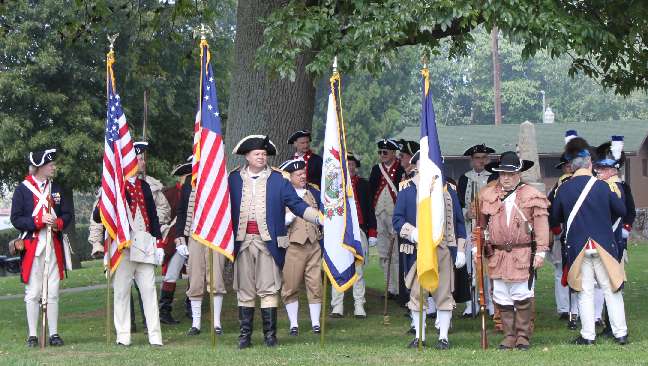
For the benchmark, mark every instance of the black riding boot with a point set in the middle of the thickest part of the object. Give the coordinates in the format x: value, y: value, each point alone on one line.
x: 269, y: 317
x: 246, y: 318
x: 166, y: 301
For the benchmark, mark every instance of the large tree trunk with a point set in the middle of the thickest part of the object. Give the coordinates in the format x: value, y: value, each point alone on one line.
x: 258, y: 103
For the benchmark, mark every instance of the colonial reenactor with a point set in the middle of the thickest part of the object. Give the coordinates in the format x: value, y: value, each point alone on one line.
x: 367, y: 222
x: 450, y: 251
x: 588, y: 208
x: 138, y: 260
x: 383, y: 188
x: 566, y: 301
x: 174, y: 261
x: 39, y: 204
x: 197, y: 255
x: 468, y: 186
x: 407, y: 150
x: 517, y: 240
x: 303, y: 254
x: 301, y: 142
x: 259, y: 197
x: 610, y: 159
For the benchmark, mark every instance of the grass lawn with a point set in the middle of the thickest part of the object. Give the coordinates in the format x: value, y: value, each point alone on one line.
x: 348, y: 342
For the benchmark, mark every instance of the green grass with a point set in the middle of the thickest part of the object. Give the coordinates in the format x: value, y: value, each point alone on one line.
x: 348, y: 341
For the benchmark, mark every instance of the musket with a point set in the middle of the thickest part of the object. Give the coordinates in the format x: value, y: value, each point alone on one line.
x: 534, y: 248
x: 46, y: 269
x: 473, y: 305
x: 144, y: 123
x: 479, y: 268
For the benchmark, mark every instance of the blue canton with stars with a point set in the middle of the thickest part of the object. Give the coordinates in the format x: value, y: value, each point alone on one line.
x: 113, y: 114
x: 210, y: 116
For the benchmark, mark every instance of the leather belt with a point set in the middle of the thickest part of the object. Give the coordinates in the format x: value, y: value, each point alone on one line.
x: 510, y: 247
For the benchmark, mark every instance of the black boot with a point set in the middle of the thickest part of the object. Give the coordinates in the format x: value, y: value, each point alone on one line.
x: 187, y: 304
x: 269, y: 317
x: 166, y: 301
x: 246, y: 317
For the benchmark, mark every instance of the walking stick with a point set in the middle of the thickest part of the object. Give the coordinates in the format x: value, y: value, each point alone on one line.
x: 46, y: 269
x: 479, y: 242
x: 323, y: 315
x: 421, y: 315
x: 211, y: 298
x: 389, y: 260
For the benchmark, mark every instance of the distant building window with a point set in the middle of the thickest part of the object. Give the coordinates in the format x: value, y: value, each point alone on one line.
x: 644, y: 167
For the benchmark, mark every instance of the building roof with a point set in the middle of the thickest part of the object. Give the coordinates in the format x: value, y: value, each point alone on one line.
x: 551, y: 137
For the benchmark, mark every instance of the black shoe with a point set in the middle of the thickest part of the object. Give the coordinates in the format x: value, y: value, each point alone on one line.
x: 32, y: 342
x: 414, y: 343
x: 56, y: 340
x: 571, y: 325
x: 600, y: 323
x: 269, y: 320
x: 607, y: 332
x: 443, y: 344
x: 582, y: 341
x: 316, y: 329
x: 167, y: 318
x: 337, y: 315
x: 412, y: 330
x: 246, y: 317
x: 193, y: 331
x: 431, y: 315
x: 391, y: 296
x: 622, y: 341
x: 522, y: 347
x: 294, y: 332
x: 502, y: 347
x: 218, y: 330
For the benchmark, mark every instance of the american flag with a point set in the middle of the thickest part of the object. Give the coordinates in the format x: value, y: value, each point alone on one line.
x: 212, y: 222
x: 119, y: 164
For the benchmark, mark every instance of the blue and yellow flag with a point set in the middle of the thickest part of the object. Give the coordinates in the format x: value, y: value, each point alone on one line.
x: 430, y: 218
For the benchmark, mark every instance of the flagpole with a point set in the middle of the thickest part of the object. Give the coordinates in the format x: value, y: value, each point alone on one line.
x: 323, y: 316
x: 211, y: 298
x: 109, y: 60
x: 421, y: 330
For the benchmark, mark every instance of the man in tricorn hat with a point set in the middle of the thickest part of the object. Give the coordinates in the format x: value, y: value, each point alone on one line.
x: 383, y: 188
x: 588, y: 208
x: 515, y: 217
x: 37, y: 204
x: 468, y: 186
x: 407, y: 150
x: 304, y: 253
x: 259, y: 197
x: 301, y: 142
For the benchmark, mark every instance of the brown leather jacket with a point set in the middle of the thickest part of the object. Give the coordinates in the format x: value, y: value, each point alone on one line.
x: 510, y: 259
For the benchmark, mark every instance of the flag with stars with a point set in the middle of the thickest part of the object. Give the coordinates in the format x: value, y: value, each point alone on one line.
x: 119, y: 164
x: 342, y: 240
x: 212, y: 221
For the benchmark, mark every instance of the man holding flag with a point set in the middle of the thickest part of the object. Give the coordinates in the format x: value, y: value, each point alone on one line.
x: 127, y: 210
x: 428, y: 215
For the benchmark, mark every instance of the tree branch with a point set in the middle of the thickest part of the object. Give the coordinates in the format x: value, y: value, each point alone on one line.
x: 415, y: 36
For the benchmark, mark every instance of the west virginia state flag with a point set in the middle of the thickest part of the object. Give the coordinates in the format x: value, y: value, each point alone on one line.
x: 342, y: 246
x: 430, y: 218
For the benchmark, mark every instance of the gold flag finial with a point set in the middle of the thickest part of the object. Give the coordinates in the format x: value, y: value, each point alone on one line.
x: 111, y: 40
x: 203, y: 31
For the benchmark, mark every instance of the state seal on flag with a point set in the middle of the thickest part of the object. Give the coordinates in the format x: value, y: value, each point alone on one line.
x: 333, y: 193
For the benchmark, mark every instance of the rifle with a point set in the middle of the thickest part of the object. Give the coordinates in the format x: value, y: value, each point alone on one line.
x: 479, y: 243
x: 534, y: 248
x: 473, y: 300
x: 46, y: 269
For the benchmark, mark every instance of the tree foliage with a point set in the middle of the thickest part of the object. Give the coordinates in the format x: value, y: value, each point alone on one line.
x: 605, y: 39
x: 53, y: 83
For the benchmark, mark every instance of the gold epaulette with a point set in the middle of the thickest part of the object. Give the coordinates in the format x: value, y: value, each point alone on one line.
x: 404, y: 184
x: 614, y: 188
x: 238, y: 167
x: 314, y: 185
x: 285, y: 174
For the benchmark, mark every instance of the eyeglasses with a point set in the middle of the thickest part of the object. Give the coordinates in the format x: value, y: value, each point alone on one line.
x: 383, y: 152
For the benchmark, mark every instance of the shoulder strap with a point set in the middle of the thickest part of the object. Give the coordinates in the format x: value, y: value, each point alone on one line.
x: 390, y: 183
x: 579, y: 203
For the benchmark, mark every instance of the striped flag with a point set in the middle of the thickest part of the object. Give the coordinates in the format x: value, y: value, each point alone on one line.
x: 342, y: 246
x: 119, y: 164
x: 430, y: 218
x: 212, y: 222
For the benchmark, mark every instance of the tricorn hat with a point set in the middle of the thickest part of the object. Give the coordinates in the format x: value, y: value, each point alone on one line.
x: 563, y: 161
x: 140, y: 147
x: 479, y: 149
x: 292, y: 165
x: 41, y: 157
x: 298, y: 134
x: 255, y: 142
x: 509, y: 162
x: 610, y: 154
x: 409, y: 147
x: 388, y: 144
x: 184, y: 168
x: 415, y: 157
x: 352, y: 157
